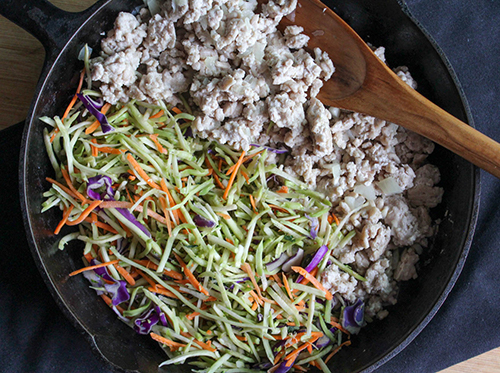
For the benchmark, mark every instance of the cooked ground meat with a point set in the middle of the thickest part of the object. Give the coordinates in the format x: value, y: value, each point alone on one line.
x: 250, y: 83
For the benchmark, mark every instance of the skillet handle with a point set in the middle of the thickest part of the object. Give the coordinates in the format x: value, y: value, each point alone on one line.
x: 52, y: 26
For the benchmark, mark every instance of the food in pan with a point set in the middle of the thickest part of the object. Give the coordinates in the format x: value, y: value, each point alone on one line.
x: 223, y: 209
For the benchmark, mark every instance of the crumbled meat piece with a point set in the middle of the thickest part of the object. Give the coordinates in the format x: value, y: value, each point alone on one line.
x: 339, y: 282
x: 127, y: 33
x: 406, y: 267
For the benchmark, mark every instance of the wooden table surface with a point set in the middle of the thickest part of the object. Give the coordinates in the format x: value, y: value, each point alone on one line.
x: 21, y: 59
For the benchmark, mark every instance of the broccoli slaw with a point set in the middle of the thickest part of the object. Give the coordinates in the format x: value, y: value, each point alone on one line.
x: 213, y: 252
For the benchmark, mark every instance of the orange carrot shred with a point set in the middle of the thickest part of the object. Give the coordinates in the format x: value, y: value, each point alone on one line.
x: 159, y: 146
x: 199, y: 343
x: 287, y: 287
x: 109, y: 303
x: 75, y: 97
x: 64, y: 219
x: 225, y: 216
x: 245, y: 175
x: 165, y: 341
x: 176, y: 110
x: 84, y: 214
x: 122, y: 271
x: 93, y: 267
x: 336, y: 219
x: 66, y: 189
x: 245, y: 267
x: 163, y: 204
x: 95, y: 152
x: 278, y: 208
x: 191, y: 316
x: 313, y: 280
x: 233, y: 175
x: 72, y: 187
x: 157, y: 115
x: 101, y: 225
x: 337, y: 349
x: 141, y: 172
x: 190, y: 276
x: 252, y: 201
x: 96, y: 124
x: 283, y: 189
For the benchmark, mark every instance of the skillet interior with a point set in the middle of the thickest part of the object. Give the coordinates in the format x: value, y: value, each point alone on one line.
x: 380, y: 22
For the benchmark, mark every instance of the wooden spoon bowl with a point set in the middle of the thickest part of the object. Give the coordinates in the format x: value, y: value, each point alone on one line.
x: 363, y: 83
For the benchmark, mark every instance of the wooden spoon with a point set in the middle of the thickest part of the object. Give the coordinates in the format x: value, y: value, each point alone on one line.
x: 363, y: 83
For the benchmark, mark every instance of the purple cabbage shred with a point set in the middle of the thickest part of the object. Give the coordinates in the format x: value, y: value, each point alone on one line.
x: 90, y: 106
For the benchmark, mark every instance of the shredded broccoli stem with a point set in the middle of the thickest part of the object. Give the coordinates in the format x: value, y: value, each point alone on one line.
x: 205, y: 261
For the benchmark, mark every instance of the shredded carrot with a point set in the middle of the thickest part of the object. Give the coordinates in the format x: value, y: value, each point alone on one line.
x: 64, y: 219
x: 247, y: 158
x: 149, y: 264
x: 277, y: 279
x: 109, y: 150
x: 101, y: 225
x: 190, y: 276
x: 199, y: 343
x: 162, y: 291
x: 233, y: 175
x: 78, y: 271
x: 287, y: 287
x: 305, y: 281
x: 313, y: 280
x: 339, y: 327
x: 175, y: 213
x: 254, y: 306
x: 147, y: 278
x: 122, y: 271
x: 283, y: 189
x: 72, y: 187
x: 141, y: 172
x: 245, y: 267
x: 110, y: 303
x: 245, y: 175
x: 53, y: 136
x: 75, y: 97
x: 240, y: 338
x: 225, y: 216
x: 279, y: 356
x: 165, y: 341
x: 299, y: 368
x: 252, y: 201
x: 278, y: 208
x: 159, y: 146
x: 191, y: 316
x: 157, y: 115
x: 217, y: 180
x: 337, y: 349
x: 88, y: 257
x: 290, y: 358
x: 256, y: 298
x: 84, y: 214
x: 176, y: 110
x: 96, y: 124
x: 95, y: 152
x: 163, y: 204
x: 66, y: 189
x: 335, y: 218
x: 209, y: 332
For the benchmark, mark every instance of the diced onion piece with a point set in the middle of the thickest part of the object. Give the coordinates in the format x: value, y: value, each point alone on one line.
x: 367, y: 191
x: 389, y: 186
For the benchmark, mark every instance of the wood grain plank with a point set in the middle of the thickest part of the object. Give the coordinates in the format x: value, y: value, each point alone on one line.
x: 21, y: 60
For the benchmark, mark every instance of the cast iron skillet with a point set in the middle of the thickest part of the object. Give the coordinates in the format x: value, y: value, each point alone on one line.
x: 380, y: 22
